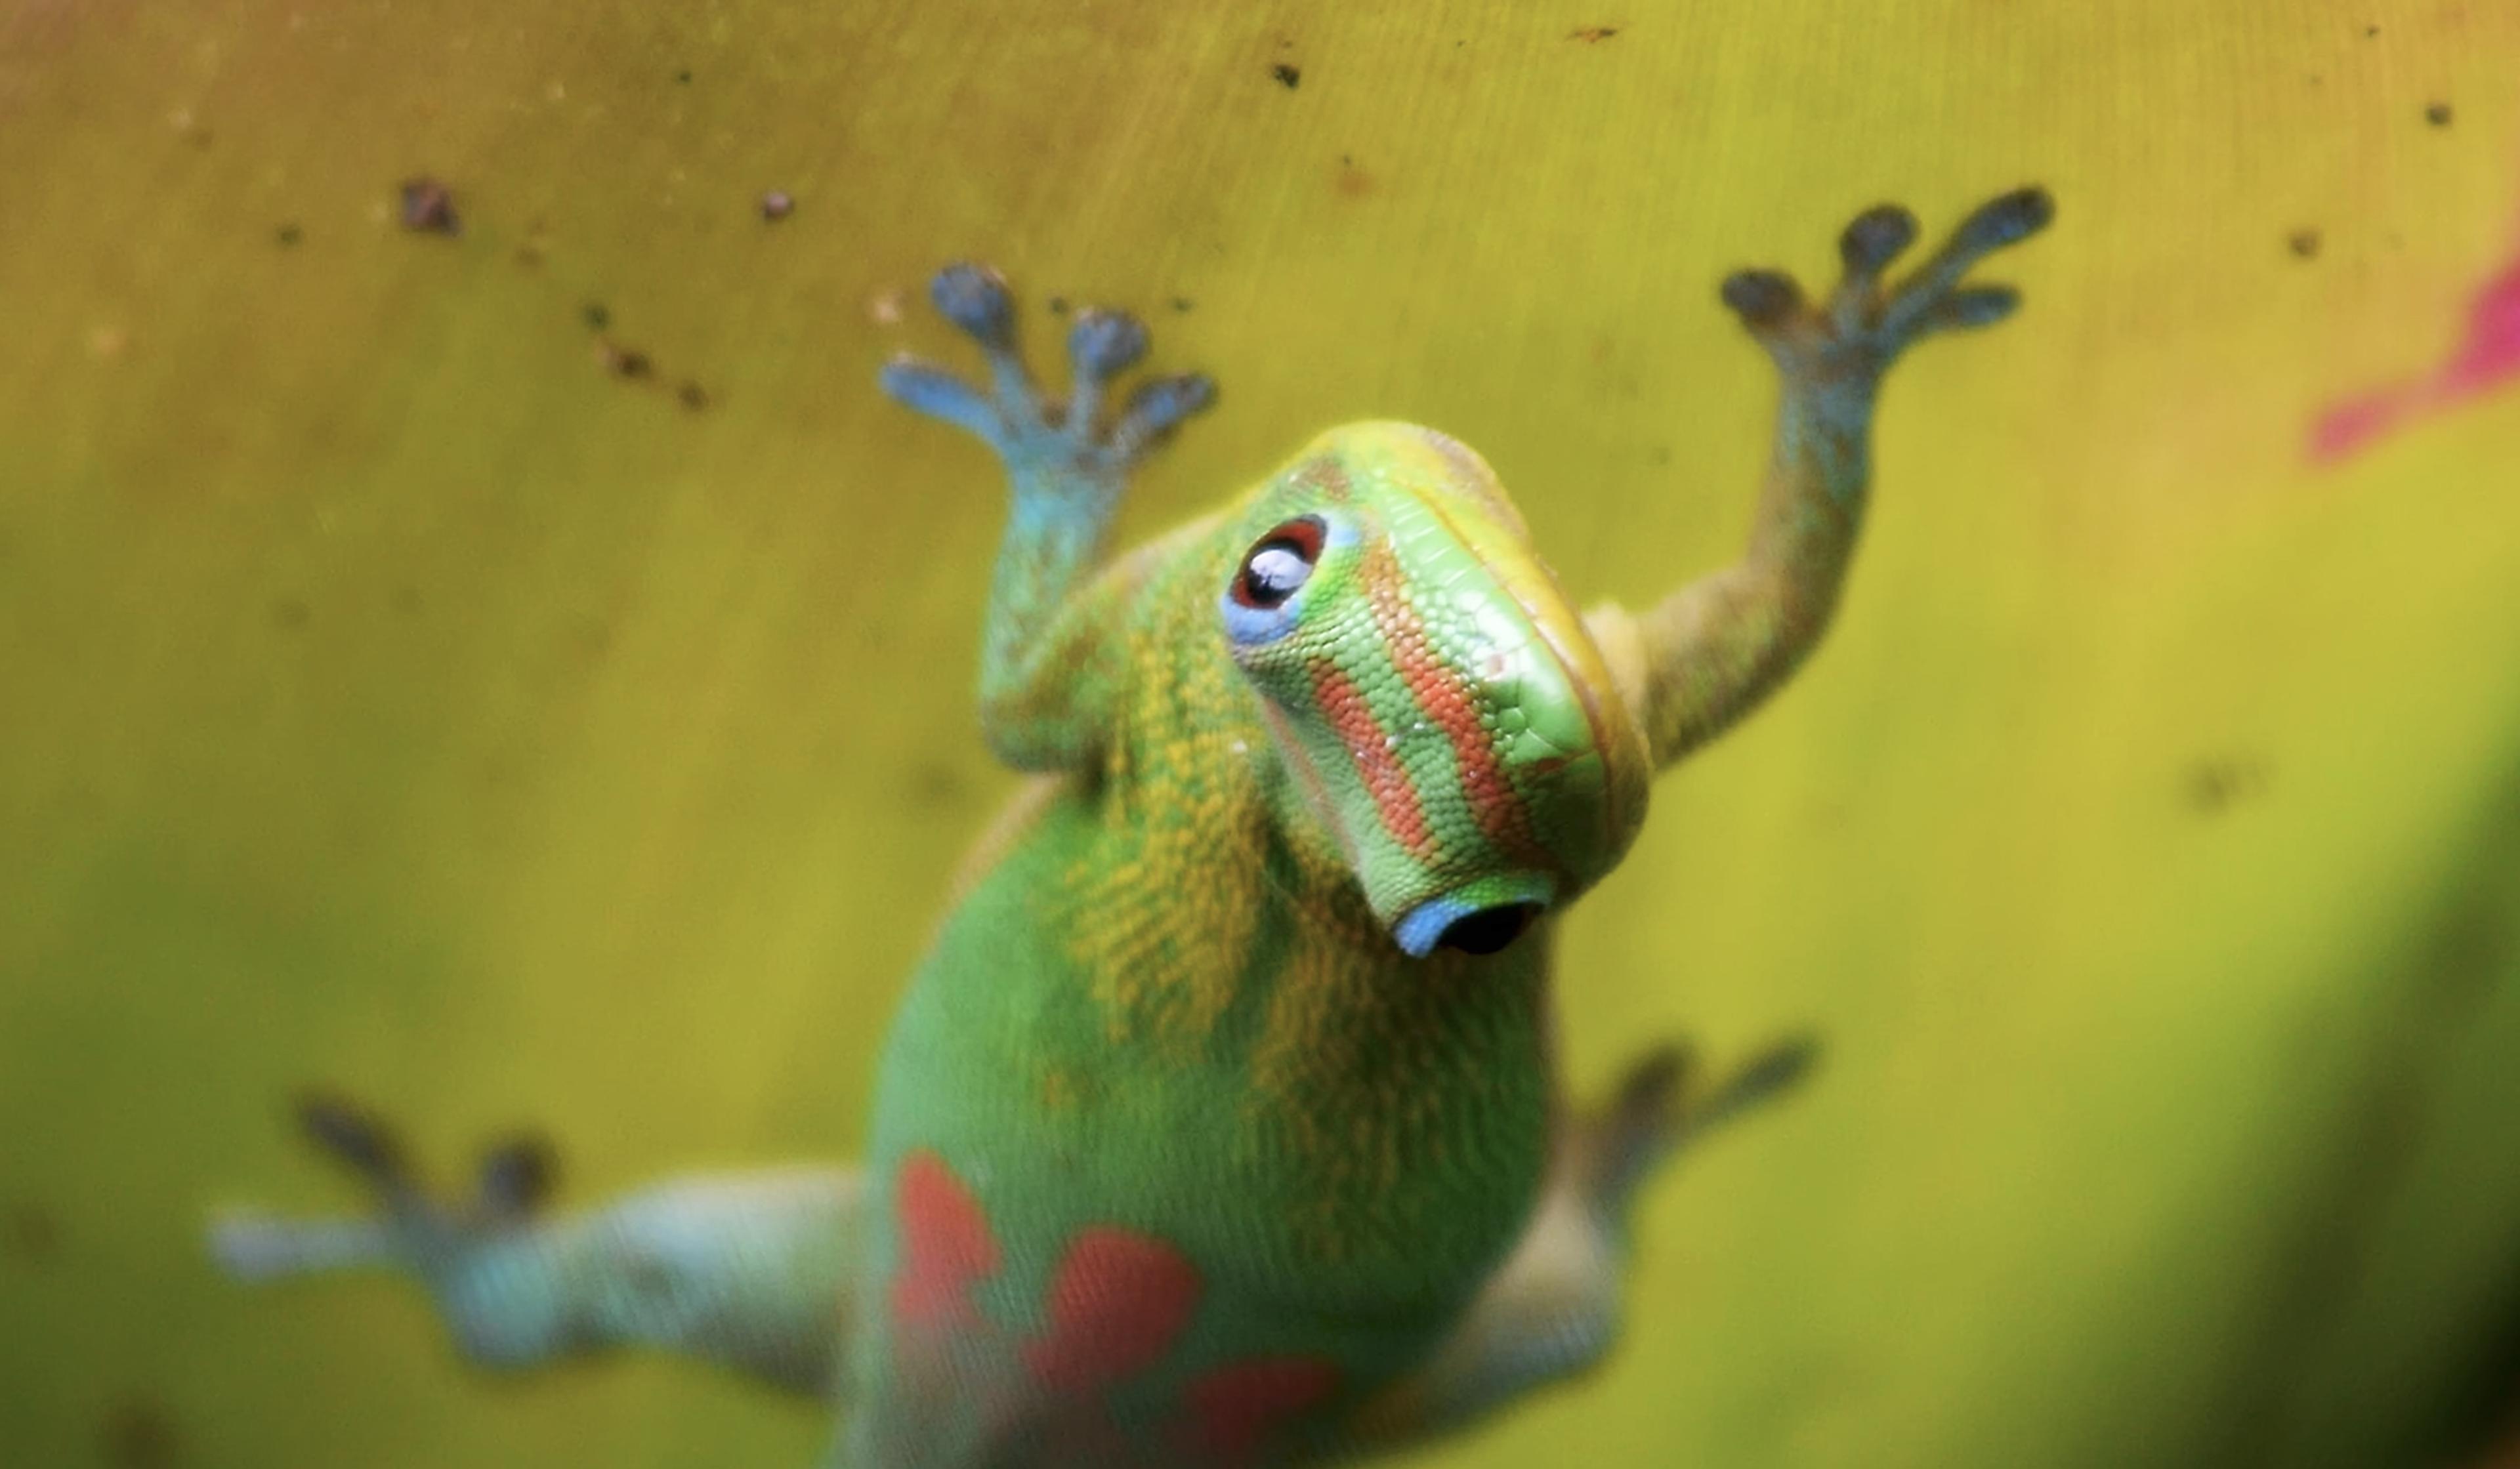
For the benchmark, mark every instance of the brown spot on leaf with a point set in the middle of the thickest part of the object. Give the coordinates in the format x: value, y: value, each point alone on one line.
x: 2303, y: 242
x: 1289, y: 78
x: 137, y: 1434
x: 1592, y: 34
x: 2438, y: 114
x: 691, y: 395
x: 2218, y: 782
x: 429, y: 208
x: 628, y: 363
x: 596, y: 315
x: 29, y: 1232
x: 288, y: 236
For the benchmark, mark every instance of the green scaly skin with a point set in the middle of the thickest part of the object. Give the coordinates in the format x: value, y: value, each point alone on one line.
x: 1220, y: 1126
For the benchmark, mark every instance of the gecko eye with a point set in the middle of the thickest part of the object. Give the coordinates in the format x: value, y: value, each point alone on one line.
x: 1278, y: 565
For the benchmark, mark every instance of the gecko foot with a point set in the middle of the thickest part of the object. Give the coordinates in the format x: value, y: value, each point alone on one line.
x: 1661, y: 1104
x: 1027, y: 428
x: 1865, y: 322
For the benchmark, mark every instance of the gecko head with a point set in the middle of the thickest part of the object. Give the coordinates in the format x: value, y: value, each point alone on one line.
x: 1439, y: 703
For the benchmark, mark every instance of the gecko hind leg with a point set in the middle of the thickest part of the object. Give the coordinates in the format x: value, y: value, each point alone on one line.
x: 747, y: 1271
x: 1552, y: 1309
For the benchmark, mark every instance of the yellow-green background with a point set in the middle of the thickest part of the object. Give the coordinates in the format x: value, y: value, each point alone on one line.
x: 391, y: 695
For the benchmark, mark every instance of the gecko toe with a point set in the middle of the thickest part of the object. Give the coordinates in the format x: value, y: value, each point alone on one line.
x: 517, y: 1177
x: 1977, y: 306
x: 975, y: 298
x: 1874, y: 239
x: 1162, y: 403
x: 2006, y: 219
x: 1762, y: 297
x: 352, y: 1134
x: 1104, y: 344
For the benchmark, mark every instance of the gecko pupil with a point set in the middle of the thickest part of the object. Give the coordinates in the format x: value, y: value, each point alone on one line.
x: 1274, y: 573
x: 1279, y: 566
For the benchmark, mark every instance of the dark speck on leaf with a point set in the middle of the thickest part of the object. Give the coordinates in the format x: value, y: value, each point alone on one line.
x: 597, y: 316
x: 138, y: 1434
x: 2304, y: 242
x: 625, y: 362
x: 2438, y: 114
x: 2217, y: 783
x: 692, y: 396
x: 290, y: 614
x: 1593, y: 34
x: 287, y: 235
x: 683, y: 77
x: 1059, y: 305
x: 29, y: 1233
x: 776, y: 204
x: 429, y: 208
x: 1182, y: 303
x: 937, y: 784
x: 1289, y: 78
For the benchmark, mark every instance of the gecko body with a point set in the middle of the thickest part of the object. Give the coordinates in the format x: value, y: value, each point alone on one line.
x: 1220, y: 1123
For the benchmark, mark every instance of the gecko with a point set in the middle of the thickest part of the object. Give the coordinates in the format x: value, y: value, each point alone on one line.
x: 1221, y: 1123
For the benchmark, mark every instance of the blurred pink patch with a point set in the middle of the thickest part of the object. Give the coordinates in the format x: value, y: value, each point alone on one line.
x: 2487, y: 356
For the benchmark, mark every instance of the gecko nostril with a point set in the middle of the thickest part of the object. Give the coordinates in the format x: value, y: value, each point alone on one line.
x: 1488, y: 929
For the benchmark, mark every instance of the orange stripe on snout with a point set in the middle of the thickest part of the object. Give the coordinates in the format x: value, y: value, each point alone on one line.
x: 1395, y: 800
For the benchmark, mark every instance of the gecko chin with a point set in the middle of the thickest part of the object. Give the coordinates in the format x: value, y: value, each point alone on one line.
x: 1484, y: 918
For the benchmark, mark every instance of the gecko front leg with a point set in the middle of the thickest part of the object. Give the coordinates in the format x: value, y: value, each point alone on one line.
x: 1713, y: 650
x: 1048, y: 661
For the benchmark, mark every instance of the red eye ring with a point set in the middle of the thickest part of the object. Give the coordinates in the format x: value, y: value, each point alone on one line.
x: 1279, y: 563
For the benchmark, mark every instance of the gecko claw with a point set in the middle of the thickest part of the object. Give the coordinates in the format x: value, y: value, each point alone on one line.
x: 1874, y: 239
x: 975, y: 298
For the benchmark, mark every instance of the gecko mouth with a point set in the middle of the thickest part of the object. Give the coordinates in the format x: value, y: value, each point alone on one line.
x: 1488, y: 929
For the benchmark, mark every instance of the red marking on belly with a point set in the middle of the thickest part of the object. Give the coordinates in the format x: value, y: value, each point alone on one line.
x: 1235, y: 1410
x: 1117, y: 1301
x: 946, y: 1247
x: 2487, y: 356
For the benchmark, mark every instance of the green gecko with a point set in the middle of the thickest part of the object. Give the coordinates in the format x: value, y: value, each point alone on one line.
x: 1220, y: 1124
